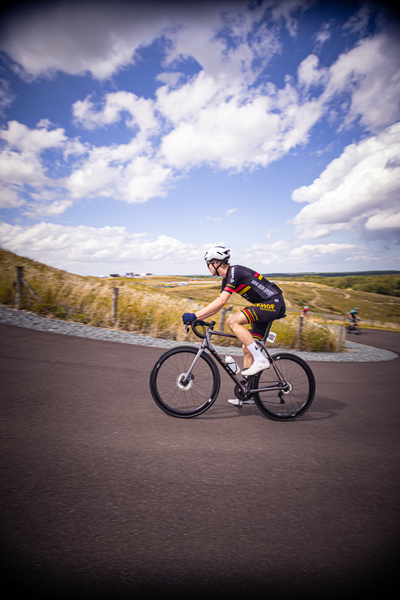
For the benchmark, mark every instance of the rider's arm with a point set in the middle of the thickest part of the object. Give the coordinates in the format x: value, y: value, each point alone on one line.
x: 213, y: 307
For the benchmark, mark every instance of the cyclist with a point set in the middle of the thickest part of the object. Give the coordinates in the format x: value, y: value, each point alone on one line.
x: 266, y: 299
x: 353, y: 317
x: 305, y: 311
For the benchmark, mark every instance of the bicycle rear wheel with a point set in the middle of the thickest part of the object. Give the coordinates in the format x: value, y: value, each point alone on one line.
x: 293, y: 400
x: 177, y: 399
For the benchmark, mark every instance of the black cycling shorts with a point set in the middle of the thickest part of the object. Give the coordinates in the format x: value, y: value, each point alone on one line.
x: 259, y: 315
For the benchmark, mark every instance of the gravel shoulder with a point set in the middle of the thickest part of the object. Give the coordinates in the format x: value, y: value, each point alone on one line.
x: 21, y: 318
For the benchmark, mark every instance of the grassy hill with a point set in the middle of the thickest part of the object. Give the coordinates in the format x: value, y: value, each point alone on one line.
x: 386, y: 283
x: 146, y: 306
x: 88, y: 300
x: 375, y: 309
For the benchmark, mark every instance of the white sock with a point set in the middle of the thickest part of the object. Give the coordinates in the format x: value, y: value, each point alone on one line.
x: 256, y: 352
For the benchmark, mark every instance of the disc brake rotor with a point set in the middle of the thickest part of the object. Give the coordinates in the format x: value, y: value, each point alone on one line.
x: 181, y: 386
x: 288, y: 389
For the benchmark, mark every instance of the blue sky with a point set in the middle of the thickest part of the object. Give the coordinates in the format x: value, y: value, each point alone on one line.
x: 134, y: 135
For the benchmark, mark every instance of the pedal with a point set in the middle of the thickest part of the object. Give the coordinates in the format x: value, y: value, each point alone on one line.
x: 240, y: 405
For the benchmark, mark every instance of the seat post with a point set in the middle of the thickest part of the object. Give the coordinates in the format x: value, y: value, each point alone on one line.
x: 269, y: 328
x: 267, y: 331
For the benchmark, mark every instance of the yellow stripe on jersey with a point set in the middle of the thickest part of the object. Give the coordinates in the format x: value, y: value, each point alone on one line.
x: 243, y: 291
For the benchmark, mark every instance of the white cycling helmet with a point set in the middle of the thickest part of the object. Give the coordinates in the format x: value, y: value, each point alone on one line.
x: 219, y: 253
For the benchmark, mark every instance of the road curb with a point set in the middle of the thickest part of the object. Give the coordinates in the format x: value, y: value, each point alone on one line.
x: 21, y: 318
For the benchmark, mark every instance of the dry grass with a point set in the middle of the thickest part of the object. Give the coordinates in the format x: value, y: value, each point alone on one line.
x: 316, y: 335
x: 88, y: 300
x: 144, y: 307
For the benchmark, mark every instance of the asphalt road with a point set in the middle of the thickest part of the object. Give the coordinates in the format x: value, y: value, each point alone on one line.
x: 103, y: 496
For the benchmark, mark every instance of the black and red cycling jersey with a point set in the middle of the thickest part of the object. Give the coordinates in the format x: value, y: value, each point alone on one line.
x: 248, y: 283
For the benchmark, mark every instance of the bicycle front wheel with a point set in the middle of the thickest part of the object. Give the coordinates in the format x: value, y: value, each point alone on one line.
x: 297, y: 388
x: 172, y: 395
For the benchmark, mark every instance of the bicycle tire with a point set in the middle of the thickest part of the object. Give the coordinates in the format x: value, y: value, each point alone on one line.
x: 175, y: 399
x: 294, y: 402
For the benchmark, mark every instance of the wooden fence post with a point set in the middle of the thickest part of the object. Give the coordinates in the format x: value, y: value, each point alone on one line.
x: 222, y: 313
x: 19, y: 286
x: 114, y: 314
x: 340, y: 337
x: 19, y: 283
x: 299, y: 329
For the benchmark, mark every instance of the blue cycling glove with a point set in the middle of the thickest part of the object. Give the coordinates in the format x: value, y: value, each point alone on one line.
x: 188, y: 317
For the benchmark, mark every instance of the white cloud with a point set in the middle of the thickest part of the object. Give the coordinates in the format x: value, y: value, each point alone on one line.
x: 330, y: 255
x: 367, y: 77
x: 171, y: 79
x: 122, y: 172
x: 102, y: 37
x: 243, y: 130
x: 10, y: 195
x: 309, y: 252
x: 51, y: 209
x: 286, y: 8
x: 31, y: 141
x: 308, y: 72
x: 216, y: 118
x: 323, y: 34
x: 385, y: 219
x: 231, y: 211
x: 18, y: 169
x: 359, y: 189
x: 358, y: 22
x: 85, y: 247
x: 127, y: 172
x: 79, y: 37
x: 20, y: 161
x: 371, y: 73
x: 6, y: 95
x: 226, y: 134
x: 141, y: 112
x: 184, y: 103
x: 270, y: 253
x: 144, y: 179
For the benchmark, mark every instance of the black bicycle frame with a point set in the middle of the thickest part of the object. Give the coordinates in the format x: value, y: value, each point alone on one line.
x: 206, y: 345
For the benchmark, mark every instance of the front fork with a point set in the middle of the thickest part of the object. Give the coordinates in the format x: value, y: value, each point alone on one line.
x: 188, y: 376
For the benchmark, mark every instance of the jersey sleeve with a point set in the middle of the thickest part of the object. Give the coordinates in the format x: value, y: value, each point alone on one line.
x: 228, y: 288
x: 234, y: 281
x: 229, y: 283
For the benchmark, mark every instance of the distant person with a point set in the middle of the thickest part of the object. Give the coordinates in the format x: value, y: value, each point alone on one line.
x: 353, y: 316
x: 305, y: 311
x: 265, y: 296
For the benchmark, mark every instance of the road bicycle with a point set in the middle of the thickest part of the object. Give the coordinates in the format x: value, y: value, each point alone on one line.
x: 353, y: 328
x: 185, y: 381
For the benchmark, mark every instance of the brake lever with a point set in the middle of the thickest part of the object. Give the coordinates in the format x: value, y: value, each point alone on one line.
x: 186, y: 328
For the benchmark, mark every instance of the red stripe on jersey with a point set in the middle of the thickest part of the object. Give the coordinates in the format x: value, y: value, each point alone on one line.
x: 228, y: 289
x: 256, y: 274
x: 240, y: 287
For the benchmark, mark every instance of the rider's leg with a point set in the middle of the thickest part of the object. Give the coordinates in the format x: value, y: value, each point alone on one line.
x: 236, y: 324
x: 247, y: 357
x: 251, y: 351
